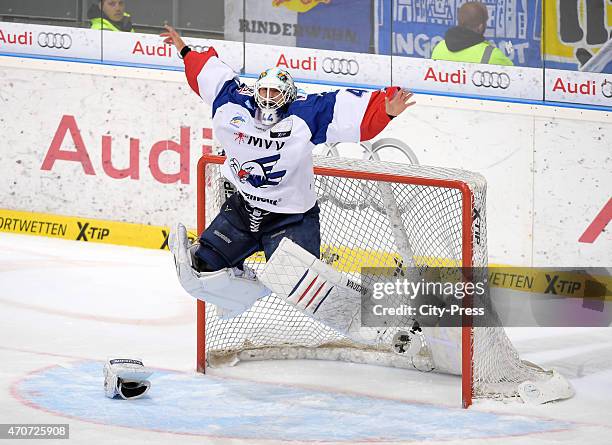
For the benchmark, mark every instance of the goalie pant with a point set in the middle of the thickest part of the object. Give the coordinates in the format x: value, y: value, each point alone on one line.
x: 230, y: 238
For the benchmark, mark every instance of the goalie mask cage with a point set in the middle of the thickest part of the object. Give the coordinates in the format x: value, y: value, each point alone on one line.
x: 373, y: 214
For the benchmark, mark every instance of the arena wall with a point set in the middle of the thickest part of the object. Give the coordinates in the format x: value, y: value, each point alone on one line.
x: 121, y: 144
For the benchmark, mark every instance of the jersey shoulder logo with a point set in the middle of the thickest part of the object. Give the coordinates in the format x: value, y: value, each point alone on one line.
x: 301, y: 94
x: 238, y: 120
x: 258, y: 172
x: 243, y: 96
x: 245, y: 90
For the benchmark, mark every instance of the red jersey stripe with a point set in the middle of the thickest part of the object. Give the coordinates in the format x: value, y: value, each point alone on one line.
x: 194, y: 62
x: 375, y: 118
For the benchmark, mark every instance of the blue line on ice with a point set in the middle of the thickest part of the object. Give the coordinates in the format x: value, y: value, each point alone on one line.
x: 210, y: 406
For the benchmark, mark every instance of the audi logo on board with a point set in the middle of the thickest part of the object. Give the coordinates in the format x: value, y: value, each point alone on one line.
x: 347, y: 67
x: 606, y: 89
x: 198, y: 48
x: 490, y: 79
x: 54, y: 40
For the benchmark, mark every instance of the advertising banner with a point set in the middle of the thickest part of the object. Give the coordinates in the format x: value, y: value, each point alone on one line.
x: 102, y: 146
x: 342, y: 25
x: 579, y: 87
x: 577, y: 35
x: 339, y: 68
x: 88, y: 45
x: 416, y: 26
x: 50, y: 41
x: 87, y: 230
x: 468, y: 78
x: 150, y: 50
x: 335, y: 67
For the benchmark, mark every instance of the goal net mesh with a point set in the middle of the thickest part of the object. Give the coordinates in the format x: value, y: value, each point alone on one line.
x: 414, y: 219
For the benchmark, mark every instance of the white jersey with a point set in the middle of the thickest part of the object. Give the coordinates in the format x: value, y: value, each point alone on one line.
x: 272, y: 168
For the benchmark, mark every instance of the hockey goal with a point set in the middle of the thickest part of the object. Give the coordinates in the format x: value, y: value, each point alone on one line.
x: 373, y: 214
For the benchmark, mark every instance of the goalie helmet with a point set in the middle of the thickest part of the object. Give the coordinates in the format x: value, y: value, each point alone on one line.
x: 273, y: 90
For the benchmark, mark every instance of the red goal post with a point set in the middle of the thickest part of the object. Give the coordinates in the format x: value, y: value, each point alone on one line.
x: 467, y: 222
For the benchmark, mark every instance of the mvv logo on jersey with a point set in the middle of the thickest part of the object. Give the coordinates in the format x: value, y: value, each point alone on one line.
x: 256, y: 142
x: 258, y: 172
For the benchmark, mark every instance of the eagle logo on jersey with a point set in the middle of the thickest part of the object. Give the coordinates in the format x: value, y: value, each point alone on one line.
x: 258, y: 172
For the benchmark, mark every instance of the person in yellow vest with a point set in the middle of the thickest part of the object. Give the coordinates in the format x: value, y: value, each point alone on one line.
x: 466, y: 43
x: 110, y: 15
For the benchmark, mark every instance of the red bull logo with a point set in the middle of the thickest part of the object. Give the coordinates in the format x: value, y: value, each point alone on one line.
x: 299, y: 5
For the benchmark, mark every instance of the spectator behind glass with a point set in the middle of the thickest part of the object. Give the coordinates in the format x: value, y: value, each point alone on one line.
x: 110, y: 15
x: 466, y: 43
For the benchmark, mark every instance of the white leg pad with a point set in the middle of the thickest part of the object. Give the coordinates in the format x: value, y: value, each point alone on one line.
x: 313, y: 287
x: 232, y: 294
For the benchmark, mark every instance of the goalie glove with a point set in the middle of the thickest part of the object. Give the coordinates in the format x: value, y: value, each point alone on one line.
x: 126, y: 378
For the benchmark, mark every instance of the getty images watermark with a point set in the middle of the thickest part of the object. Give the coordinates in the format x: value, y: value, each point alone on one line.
x: 410, y: 296
x: 432, y: 296
x: 486, y: 297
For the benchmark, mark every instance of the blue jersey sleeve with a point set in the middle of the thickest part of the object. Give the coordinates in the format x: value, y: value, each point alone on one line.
x: 335, y: 116
x: 236, y: 93
x: 317, y: 110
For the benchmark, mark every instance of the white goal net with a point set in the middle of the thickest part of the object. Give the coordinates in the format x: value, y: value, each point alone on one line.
x: 374, y: 214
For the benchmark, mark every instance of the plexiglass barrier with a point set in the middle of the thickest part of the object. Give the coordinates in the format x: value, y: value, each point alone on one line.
x: 517, y: 50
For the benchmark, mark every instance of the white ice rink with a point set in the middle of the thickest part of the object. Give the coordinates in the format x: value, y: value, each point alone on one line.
x: 66, y: 306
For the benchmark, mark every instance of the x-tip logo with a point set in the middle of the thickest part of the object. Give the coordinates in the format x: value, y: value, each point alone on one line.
x: 87, y: 232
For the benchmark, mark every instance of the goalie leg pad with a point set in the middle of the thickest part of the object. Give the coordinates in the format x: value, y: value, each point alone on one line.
x: 313, y: 287
x: 223, y: 288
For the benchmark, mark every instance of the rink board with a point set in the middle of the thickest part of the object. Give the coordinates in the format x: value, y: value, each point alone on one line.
x: 346, y: 259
